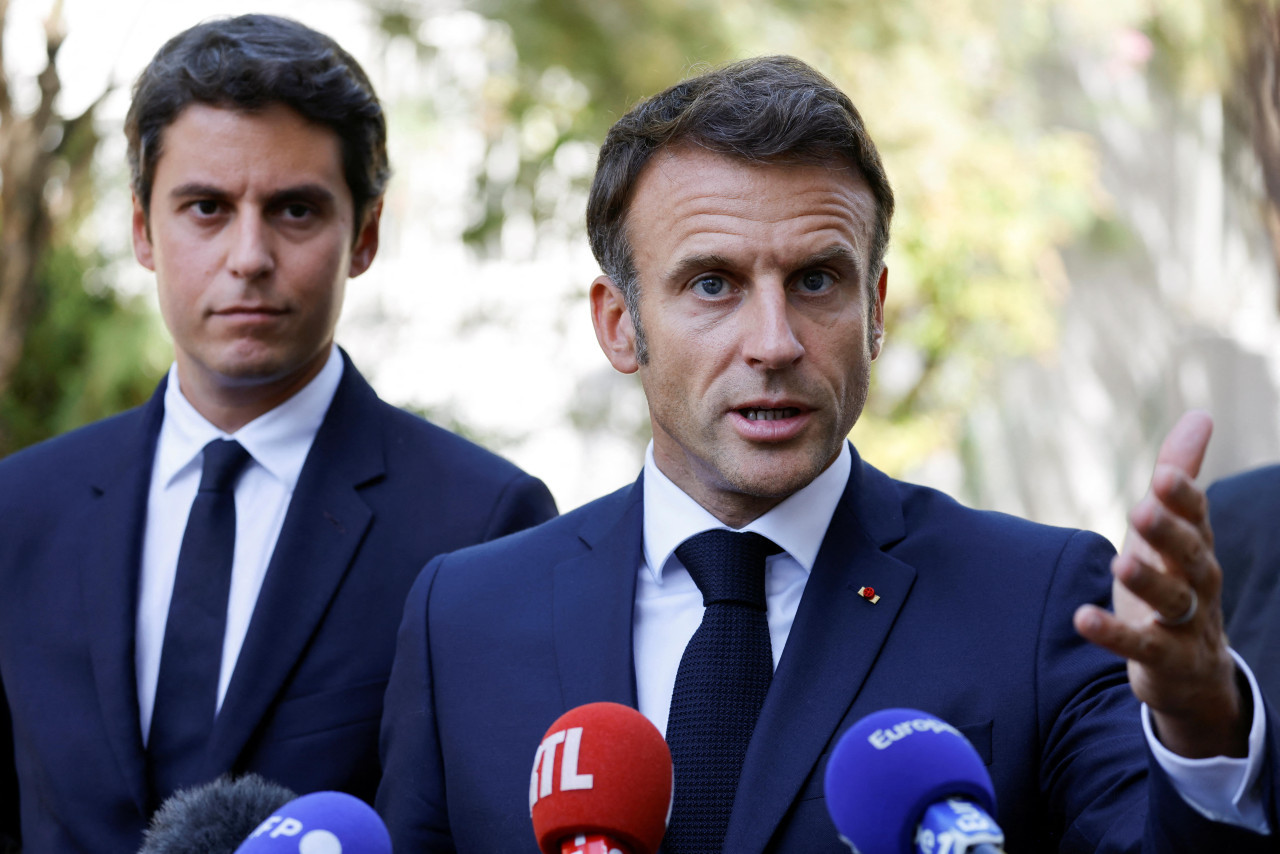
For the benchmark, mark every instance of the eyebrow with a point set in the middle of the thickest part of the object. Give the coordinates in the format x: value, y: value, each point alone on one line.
x: 315, y: 194
x: 832, y: 255
x: 691, y: 264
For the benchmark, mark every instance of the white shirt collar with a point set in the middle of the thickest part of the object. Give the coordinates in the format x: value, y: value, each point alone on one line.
x: 798, y: 524
x: 278, y: 440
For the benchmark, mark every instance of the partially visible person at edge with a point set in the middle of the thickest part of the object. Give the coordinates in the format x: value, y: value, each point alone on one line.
x: 146, y: 644
x: 741, y: 219
x: 1245, y: 512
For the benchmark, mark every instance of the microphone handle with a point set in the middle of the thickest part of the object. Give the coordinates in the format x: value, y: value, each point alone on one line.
x: 592, y: 843
x: 957, y: 826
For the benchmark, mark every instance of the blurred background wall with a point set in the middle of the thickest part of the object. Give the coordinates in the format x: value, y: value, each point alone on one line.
x: 1086, y: 241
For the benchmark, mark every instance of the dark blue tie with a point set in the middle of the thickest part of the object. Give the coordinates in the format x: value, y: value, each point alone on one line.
x: 187, y: 690
x: 721, y: 684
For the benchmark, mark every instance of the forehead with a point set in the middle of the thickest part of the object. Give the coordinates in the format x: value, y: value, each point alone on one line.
x: 690, y: 202
x: 224, y: 144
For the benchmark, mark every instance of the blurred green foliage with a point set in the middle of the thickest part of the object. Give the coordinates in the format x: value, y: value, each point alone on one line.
x: 85, y: 352
x: 89, y: 353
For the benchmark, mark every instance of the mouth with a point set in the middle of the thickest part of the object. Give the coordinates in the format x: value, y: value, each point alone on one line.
x: 249, y: 309
x: 762, y: 414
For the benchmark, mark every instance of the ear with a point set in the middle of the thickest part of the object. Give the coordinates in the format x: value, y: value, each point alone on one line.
x: 141, y: 229
x: 612, y: 321
x: 366, y: 245
x: 877, y: 315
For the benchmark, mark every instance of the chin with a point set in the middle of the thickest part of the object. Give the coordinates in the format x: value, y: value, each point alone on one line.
x: 776, y: 485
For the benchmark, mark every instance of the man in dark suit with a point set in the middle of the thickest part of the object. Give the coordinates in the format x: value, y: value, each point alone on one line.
x: 741, y: 218
x: 1245, y: 511
x: 210, y: 583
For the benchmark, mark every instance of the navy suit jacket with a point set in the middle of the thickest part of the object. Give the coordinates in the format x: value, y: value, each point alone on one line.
x: 1245, y: 513
x: 381, y: 492
x: 973, y: 625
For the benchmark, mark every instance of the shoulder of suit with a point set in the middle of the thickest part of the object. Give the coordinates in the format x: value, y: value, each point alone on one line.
x: 418, y: 447
x: 413, y: 440
x: 1248, y: 486
x: 558, y: 537
x: 926, y: 507
x: 83, y: 447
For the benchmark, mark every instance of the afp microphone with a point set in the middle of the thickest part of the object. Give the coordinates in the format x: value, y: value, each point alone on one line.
x: 601, y: 783
x: 320, y: 823
x: 901, y: 781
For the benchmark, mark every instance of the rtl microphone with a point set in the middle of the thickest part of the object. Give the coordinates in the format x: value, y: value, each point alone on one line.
x: 320, y: 823
x: 601, y: 783
x: 901, y: 781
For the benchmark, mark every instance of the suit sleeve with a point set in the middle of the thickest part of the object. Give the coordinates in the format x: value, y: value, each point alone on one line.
x: 1096, y: 769
x: 411, y: 796
x: 524, y: 503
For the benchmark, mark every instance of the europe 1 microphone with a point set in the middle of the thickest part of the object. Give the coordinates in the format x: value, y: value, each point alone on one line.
x: 902, y: 781
x: 601, y: 783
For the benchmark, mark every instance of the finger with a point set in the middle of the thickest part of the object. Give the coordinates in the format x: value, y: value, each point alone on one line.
x: 1182, y: 548
x: 1185, y: 444
x: 1169, y: 598
x: 1104, y: 629
x: 1179, y: 492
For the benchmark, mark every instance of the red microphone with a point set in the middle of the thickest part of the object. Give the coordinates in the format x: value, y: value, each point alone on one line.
x: 601, y: 783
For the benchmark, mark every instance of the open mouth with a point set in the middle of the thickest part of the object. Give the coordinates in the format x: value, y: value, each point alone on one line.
x: 769, y: 414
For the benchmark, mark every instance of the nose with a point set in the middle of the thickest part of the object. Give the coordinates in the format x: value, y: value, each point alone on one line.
x: 250, y: 255
x: 769, y: 339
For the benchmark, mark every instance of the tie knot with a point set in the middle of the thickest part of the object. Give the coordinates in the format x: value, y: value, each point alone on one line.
x: 224, y: 459
x: 728, y: 566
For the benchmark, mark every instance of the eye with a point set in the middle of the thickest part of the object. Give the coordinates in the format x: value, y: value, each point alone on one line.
x: 815, y: 281
x: 205, y: 207
x: 296, y: 211
x: 710, y: 286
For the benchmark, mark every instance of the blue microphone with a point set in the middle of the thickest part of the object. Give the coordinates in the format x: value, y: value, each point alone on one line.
x: 902, y: 781
x: 320, y: 823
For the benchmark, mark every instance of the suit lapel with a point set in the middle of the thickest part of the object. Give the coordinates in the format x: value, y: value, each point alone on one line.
x: 833, y: 644
x: 109, y: 571
x: 594, y: 599
x: 323, y: 528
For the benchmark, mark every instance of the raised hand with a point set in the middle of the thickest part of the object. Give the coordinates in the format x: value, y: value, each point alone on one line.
x: 1168, y: 609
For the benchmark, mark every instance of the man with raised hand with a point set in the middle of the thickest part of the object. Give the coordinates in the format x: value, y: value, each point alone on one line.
x: 760, y: 587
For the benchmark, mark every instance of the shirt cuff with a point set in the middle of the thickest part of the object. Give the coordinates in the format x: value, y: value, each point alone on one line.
x: 1220, y: 788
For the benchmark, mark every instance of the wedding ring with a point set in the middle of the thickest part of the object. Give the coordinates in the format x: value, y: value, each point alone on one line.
x: 1185, y: 617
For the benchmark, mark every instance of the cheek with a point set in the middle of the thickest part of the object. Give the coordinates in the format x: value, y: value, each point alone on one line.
x: 175, y: 301
x: 321, y: 270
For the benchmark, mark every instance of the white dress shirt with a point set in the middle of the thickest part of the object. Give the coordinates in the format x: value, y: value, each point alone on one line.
x: 668, y: 610
x: 278, y: 441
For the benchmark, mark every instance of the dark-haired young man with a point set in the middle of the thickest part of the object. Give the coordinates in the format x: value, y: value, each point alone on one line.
x: 760, y: 588
x: 211, y: 583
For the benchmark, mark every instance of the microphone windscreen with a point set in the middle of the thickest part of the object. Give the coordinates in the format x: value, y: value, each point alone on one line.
x: 213, y: 818
x: 889, y: 768
x: 601, y: 768
x: 320, y: 823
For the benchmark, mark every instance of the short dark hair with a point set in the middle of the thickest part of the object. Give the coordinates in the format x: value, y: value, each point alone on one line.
x: 771, y: 109
x: 251, y: 62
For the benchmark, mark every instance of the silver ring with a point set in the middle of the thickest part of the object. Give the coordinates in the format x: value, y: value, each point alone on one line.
x: 1185, y: 617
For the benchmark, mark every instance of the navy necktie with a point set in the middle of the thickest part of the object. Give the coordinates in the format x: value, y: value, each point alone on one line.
x: 187, y: 690
x: 720, y: 686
